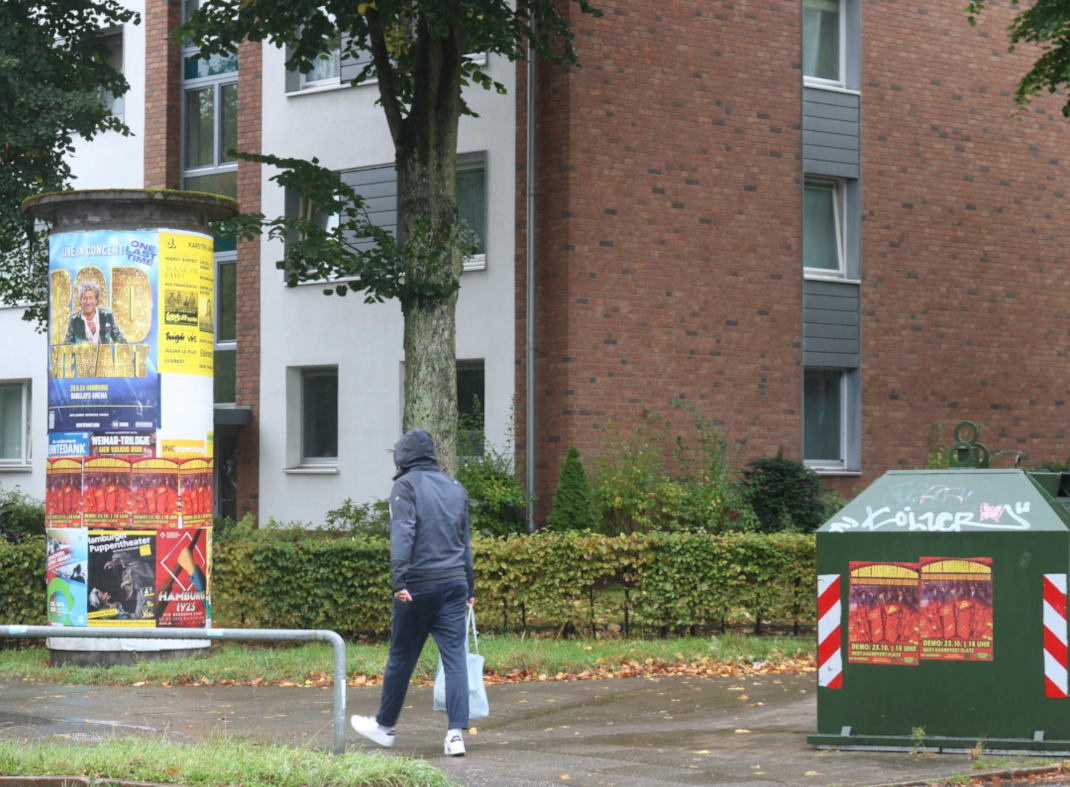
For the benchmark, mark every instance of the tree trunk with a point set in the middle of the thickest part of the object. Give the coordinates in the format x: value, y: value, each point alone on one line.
x: 426, y: 159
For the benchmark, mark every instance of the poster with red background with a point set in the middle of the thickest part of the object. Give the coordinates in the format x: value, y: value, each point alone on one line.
x: 882, y: 624
x: 182, y: 574
x: 956, y: 609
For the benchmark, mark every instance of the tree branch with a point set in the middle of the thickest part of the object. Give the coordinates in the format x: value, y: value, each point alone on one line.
x: 385, y: 71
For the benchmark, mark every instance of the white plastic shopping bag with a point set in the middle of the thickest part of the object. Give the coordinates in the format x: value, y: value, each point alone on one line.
x: 478, y: 707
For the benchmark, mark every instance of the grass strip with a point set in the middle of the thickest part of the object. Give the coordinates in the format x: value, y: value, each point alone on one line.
x: 215, y: 762
x: 247, y: 664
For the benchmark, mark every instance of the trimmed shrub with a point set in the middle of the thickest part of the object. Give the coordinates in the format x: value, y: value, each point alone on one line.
x: 573, y: 503
x: 574, y: 581
x: 22, y: 513
x: 784, y: 494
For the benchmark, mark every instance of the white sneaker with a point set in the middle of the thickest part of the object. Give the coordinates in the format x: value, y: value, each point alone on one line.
x: 372, y: 730
x: 454, y: 743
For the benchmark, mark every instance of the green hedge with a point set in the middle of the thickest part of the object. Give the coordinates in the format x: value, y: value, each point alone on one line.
x: 567, y: 581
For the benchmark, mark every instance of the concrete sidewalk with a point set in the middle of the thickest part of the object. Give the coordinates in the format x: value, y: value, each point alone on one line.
x: 610, y: 733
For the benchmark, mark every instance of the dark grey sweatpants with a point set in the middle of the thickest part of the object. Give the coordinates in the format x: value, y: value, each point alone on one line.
x: 439, y: 611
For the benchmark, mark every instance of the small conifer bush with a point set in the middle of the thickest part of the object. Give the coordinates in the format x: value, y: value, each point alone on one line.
x: 574, y: 502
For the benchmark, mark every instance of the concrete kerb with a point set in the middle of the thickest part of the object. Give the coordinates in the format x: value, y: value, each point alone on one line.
x: 1005, y: 773
x: 239, y: 635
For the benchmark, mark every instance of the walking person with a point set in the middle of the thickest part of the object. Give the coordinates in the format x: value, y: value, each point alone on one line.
x: 432, y: 575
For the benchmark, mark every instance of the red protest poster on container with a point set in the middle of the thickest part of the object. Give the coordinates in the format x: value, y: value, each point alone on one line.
x: 956, y: 609
x: 154, y: 493
x: 182, y: 572
x: 882, y: 623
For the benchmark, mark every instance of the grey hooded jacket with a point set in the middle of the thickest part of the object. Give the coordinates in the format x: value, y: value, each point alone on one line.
x: 430, y: 542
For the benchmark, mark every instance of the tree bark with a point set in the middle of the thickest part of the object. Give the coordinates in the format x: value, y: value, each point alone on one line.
x: 426, y: 160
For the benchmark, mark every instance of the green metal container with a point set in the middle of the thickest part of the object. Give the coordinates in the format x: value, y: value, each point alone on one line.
x: 942, y: 598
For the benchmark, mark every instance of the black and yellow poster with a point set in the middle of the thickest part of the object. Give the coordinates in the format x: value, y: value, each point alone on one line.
x: 186, y: 295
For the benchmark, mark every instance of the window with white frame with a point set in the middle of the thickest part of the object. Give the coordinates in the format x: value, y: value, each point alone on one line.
x: 824, y: 35
x: 825, y: 418
x: 210, y: 123
x: 471, y: 196
x: 15, y: 424
x: 319, y: 416
x: 824, y: 227
x: 113, y: 39
x: 327, y: 69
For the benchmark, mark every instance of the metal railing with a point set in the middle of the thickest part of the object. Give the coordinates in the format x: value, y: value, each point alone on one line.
x: 241, y: 635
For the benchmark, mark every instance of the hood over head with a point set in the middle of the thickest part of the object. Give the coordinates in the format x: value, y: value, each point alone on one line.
x: 415, y: 449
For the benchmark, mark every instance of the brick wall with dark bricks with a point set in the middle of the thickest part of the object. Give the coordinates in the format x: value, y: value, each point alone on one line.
x: 669, y: 233
x: 966, y: 293
x: 668, y: 225
x: 163, y: 110
x: 247, y: 377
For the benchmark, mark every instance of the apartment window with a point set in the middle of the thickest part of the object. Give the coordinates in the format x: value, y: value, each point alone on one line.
x: 15, y: 424
x: 824, y: 417
x: 210, y: 124
x: 319, y: 416
x: 824, y: 36
x: 471, y: 196
x: 226, y: 327
x: 470, y: 392
x: 328, y: 67
x: 824, y: 227
x: 113, y: 39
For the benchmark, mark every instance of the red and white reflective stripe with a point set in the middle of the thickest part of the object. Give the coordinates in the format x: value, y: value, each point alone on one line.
x: 1055, y: 635
x: 829, y: 659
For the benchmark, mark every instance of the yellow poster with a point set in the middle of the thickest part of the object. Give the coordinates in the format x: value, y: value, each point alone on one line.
x: 187, y: 295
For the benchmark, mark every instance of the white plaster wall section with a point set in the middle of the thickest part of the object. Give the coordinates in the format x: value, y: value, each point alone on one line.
x: 25, y: 357
x: 344, y: 129
x: 112, y: 160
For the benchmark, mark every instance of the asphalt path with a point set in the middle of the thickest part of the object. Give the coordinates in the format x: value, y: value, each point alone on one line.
x: 635, y: 732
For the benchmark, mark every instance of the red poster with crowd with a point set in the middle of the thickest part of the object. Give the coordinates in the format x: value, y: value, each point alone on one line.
x: 195, y: 481
x: 182, y: 571
x: 956, y: 609
x: 154, y: 493
x: 106, y: 493
x: 882, y: 624
x: 63, y: 495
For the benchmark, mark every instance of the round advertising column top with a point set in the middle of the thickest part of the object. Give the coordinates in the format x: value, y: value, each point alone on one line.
x: 55, y: 204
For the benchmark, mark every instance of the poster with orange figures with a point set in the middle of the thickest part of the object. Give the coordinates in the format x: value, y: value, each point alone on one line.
x: 63, y: 495
x: 106, y: 493
x: 882, y: 624
x: 154, y: 493
x: 956, y: 609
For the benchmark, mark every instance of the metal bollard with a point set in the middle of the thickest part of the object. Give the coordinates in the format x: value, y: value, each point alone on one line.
x: 240, y: 635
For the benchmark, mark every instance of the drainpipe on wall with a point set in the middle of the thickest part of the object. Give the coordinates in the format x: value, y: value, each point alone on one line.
x: 529, y: 322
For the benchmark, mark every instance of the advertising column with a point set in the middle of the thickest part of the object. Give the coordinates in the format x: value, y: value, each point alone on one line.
x: 129, y: 421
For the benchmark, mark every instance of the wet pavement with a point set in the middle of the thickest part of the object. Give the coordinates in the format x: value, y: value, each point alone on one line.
x: 636, y: 732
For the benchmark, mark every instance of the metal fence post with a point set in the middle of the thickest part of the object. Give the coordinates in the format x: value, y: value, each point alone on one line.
x: 238, y: 635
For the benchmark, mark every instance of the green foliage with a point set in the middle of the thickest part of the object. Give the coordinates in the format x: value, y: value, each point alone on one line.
x: 497, y: 499
x: 53, y: 65
x: 572, y: 581
x: 635, y: 491
x: 785, y: 494
x: 573, y: 503
x: 1052, y: 466
x: 22, y: 582
x: 365, y: 518
x: 938, y: 455
x: 1045, y: 23
x: 22, y: 513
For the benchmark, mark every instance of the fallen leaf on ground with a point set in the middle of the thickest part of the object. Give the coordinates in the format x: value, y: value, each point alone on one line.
x: 814, y: 773
x: 741, y: 731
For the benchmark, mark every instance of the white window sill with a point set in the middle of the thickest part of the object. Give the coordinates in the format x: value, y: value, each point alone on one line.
x: 811, y: 275
x: 476, y: 263
x: 312, y: 470
x: 834, y: 471
x: 16, y: 468
x: 327, y: 88
x: 830, y: 87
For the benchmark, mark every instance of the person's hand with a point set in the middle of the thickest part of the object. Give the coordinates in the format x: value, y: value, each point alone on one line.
x: 471, y: 603
x: 403, y: 595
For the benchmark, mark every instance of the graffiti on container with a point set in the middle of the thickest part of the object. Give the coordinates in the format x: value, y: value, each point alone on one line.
x: 987, y: 517
x: 910, y: 493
